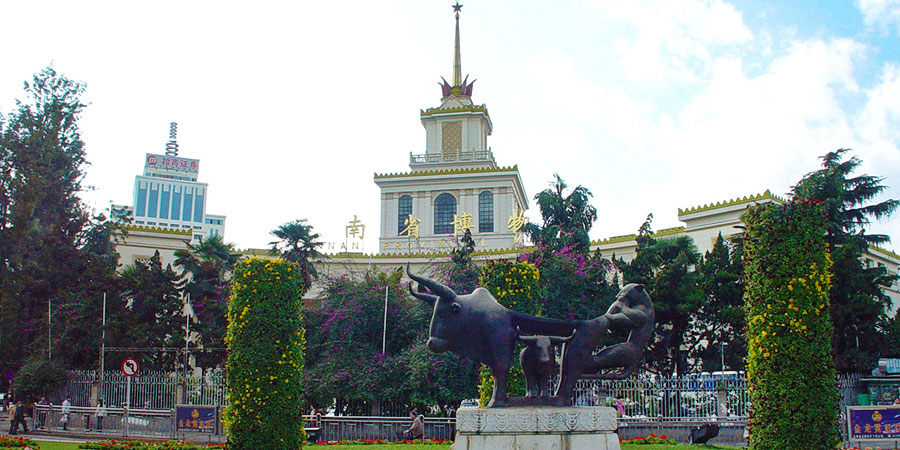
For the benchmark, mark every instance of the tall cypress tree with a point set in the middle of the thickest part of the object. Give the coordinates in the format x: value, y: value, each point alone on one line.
x: 858, y: 305
x: 41, y: 216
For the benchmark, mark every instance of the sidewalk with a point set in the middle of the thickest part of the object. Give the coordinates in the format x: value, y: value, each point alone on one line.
x: 79, y: 436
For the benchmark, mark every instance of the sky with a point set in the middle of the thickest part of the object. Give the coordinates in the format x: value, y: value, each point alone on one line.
x: 291, y: 107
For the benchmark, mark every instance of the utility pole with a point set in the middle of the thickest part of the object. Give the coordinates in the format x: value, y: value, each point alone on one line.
x: 49, y: 329
x: 384, y: 335
x: 722, y: 351
x: 103, y: 346
x: 187, y: 334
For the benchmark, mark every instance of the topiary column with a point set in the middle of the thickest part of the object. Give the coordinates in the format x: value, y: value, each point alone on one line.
x: 265, y: 356
x: 515, y: 285
x: 790, y: 370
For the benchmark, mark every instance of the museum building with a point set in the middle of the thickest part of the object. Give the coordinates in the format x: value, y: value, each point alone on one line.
x: 454, y: 186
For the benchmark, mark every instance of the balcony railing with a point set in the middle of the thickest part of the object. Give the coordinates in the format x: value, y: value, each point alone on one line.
x: 435, y: 158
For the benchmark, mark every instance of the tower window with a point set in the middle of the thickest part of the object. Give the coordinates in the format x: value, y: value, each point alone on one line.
x: 444, y: 210
x: 486, y: 212
x: 451, y: 137
x: 404, y: 209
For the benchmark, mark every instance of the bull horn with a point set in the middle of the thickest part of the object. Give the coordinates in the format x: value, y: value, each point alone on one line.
x: 442, y: 291
x: 528, y: 339
x: 556, y: 340
x: 427, y: 298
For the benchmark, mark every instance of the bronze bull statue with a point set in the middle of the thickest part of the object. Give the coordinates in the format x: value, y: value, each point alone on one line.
x: 479, y: 328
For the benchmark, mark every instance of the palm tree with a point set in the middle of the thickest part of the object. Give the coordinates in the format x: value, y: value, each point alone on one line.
x: 297, y: 243
x: 204, y: 269
x: 567, y: 218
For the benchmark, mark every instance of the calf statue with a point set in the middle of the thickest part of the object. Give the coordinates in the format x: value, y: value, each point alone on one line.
x: 479, y: 328
x: 539, y: 362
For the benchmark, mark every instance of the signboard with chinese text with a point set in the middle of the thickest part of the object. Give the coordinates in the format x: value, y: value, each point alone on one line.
x: 892, y: 365
x: 873, y: 422
x: 201, y: 419
x: 172, y: 163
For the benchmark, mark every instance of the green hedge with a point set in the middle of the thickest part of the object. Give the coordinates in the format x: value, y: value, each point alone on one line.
x: 265, y: 356
x: 790, y: 369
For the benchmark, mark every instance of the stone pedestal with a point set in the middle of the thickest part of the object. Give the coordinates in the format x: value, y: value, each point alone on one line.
x: 536, y: 428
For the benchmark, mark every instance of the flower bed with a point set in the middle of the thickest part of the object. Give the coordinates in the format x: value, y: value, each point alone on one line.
x: 9, y: 442
x: 651, y: 439
x: 141, y: 445
x: 385, y: 441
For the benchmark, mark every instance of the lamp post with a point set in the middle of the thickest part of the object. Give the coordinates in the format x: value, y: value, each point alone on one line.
x: 722, y: 352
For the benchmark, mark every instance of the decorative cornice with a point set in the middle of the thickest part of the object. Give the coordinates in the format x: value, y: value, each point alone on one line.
x: 885, y: 252
x: 736, y: 201
x: 453, y: 110
x: 441, y: 254
x: 631, y: 237
x: 159, y: 230
x: 514, y: 168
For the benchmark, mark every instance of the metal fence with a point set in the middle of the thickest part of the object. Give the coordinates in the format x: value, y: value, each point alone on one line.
x: 117, y: 422
x: 149, y: 389
x: 661, y: 405
x: 336, y: 428
x: 670, y: 397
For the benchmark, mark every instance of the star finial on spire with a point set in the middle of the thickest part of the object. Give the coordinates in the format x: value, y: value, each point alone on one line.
x: 457, y: 7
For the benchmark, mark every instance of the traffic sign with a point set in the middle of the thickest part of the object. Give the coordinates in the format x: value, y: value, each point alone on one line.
x: 129, y: 367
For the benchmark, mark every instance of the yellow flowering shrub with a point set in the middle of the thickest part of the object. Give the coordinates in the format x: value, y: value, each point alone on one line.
x: 265, y: 340
x: 515, y: 285
x: 790, y: 370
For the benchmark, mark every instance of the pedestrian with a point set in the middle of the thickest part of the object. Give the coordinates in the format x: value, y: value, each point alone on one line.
x: 12, y: 416
x: 19, y: 417
x: 101, y: 413
x: 417, y: 429
x: 66, y: 412
x: 40, y: 414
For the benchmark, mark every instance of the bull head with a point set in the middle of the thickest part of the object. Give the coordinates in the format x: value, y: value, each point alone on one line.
x: 446, y: 322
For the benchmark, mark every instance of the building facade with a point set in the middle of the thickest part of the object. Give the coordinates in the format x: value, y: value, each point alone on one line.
x: 169, y: 207
x: 456, y: 184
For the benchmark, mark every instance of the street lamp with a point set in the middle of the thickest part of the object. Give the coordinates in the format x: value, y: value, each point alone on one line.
x: 722, y: 352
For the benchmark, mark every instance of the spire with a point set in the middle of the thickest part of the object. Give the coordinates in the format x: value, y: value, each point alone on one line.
x: 172, y: 145
x: 459, y: 86
x: 457, y: 60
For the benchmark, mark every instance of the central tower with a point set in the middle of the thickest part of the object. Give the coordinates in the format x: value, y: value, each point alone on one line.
x: 455, y: 184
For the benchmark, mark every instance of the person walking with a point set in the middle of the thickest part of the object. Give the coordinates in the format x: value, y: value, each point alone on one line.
x: 19, y: 417
x: 12, y: 416
x: 66, y: 412
x: 417, y: 429
x: 101, y: 413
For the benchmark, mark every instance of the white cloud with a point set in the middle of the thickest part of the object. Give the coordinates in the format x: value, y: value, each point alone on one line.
x: 672, y: 41
x: 883, y: 14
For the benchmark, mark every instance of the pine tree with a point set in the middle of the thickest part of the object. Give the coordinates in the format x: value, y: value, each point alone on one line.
x: 41, y: 217
x: 720, y: 319
x: 857, y: 303
x: 154, y: 311
x: 666, y: 268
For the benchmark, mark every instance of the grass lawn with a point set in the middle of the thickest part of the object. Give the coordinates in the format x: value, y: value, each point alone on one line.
x: 57, y: 445
x: 74, y: 446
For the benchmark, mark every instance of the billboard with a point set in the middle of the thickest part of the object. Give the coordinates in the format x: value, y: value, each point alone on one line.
x: 172, y: 163
x: 873, y: 422
x: 195, y: 418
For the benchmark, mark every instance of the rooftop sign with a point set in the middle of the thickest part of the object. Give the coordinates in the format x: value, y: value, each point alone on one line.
x: 172, y: 163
